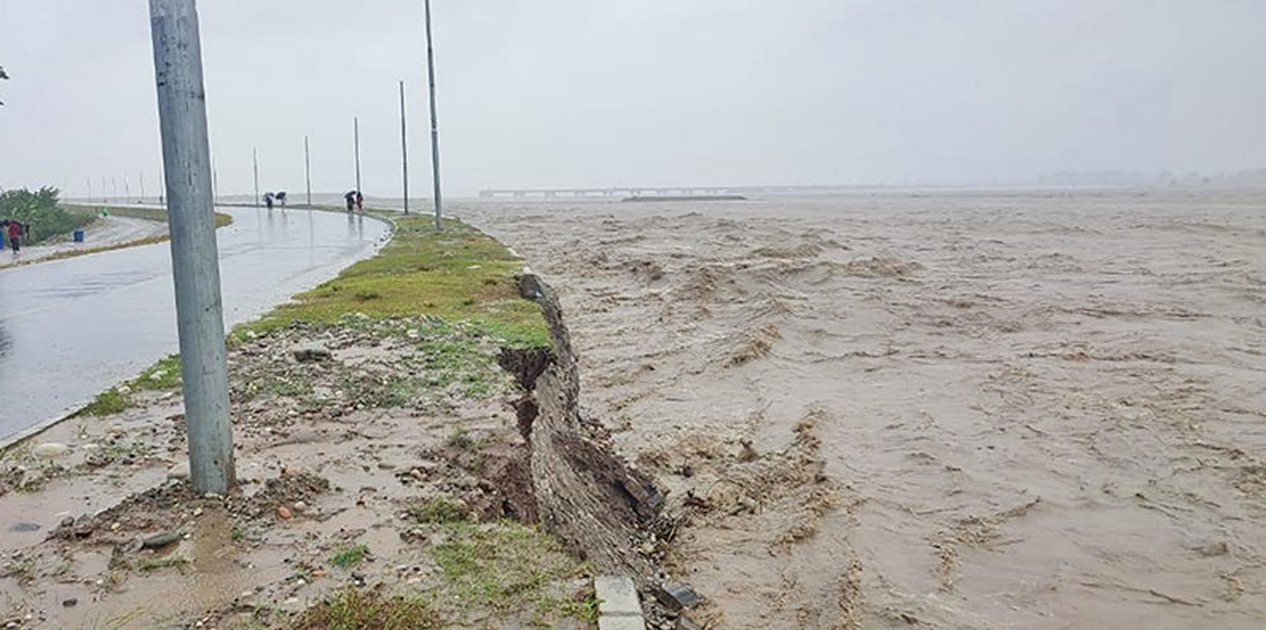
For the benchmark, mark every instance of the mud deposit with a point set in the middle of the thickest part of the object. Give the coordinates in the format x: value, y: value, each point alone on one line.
x: 1038, y: 410
x: 388, y: 460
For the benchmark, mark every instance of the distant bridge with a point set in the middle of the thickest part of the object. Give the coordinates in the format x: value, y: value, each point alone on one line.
x: 656, y: 191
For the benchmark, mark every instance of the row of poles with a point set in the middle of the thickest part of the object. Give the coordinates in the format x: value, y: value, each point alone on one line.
x: 190, y: 191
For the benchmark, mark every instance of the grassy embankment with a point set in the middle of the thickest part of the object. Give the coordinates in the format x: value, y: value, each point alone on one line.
x: 457, y: 275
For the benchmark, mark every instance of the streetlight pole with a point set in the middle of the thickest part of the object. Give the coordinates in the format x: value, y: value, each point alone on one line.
x: 435, y: 130
x: 404, y: 150
x: 182, y: 116
x: 356, y: 149
x: 307, y: 168
x: 255, y: 162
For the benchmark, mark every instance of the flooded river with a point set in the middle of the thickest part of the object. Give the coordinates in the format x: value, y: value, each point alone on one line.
x: 950, y: 410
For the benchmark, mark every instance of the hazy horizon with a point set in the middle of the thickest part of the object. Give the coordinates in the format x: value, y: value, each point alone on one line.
x: 568, y: 93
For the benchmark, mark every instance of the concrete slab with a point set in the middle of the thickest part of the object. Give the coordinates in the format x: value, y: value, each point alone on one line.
x: 621, y: 623
x: 617, y: 595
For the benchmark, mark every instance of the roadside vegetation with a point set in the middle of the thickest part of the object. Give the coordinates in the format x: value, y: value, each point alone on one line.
x: 41, y: 211
x: 152, y: 214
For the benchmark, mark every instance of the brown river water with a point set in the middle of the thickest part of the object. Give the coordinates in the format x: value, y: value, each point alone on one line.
x: 947, y: 410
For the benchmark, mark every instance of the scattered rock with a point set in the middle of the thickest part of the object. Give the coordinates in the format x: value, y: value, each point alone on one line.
x: 677, y: 596
x: 49, y: 450
x: 160, y: 540
x: 299, y: 507
x: 283, y: 512
x: 69, y: 603
x: 179, y: 471
x: 686, y: 623
x: 23, y: 526
x: 1217, y: 548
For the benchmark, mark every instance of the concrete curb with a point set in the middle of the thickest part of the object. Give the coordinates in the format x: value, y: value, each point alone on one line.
x: 618, y: 605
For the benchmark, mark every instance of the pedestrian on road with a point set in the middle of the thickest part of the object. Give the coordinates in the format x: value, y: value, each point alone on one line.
x: 15, y: 231
x: 360, y: 201
x: 350, y: 198
x: 268, y: 200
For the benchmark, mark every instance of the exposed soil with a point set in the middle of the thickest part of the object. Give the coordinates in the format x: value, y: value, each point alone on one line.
x: 402, y: 440
x: 966, y: 410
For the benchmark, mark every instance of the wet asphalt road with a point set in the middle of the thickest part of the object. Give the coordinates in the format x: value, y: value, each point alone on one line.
x: 72, y: 328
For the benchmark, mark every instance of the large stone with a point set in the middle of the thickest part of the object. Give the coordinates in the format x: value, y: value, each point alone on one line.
x: 311, y: 352
x: 160, y: 540
x: 677, y: 596
x: 49, y: 450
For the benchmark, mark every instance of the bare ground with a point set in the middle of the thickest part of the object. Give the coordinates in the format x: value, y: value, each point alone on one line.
x: 395, y: 465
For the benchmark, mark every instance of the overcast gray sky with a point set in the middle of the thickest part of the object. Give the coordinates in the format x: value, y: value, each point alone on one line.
x: 601, y: 92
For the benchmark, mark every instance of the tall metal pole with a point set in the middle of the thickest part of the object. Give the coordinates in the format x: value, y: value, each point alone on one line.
x: 182, y: 116
x: 435, y: 130
x: 255, y: 162
x: 162, y: 182
x: 307, y: 168
x: 356, y: 148
x: 404, y: 150
x: 89, y: 189
x: 142, y: 186
x: 215, y: 184
x: 105, y: 193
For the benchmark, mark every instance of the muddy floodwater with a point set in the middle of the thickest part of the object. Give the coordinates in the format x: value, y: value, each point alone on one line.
x: 72, y: 328
x: 947, y: 410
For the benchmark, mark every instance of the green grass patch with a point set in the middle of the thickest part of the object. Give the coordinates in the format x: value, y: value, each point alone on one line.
x: 460, y: 438
x: 506, y: 567
x: 350, y: 556
x: 438, y: 510
x: 107, y: 403
x: 356, y: 609
x: 162, y: 376
x: 154, y: 564
x: 458, y: 274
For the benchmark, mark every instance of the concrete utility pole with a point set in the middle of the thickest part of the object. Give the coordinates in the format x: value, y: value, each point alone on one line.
x: 435, y: 130
x: 162, y: 182
x: 255, y: 162
x: 356, y: 149
x: 105, y: 193
x: 182, y: 115
x: 307, y: 168
x: 142, y: 186
x: 404, y: 150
